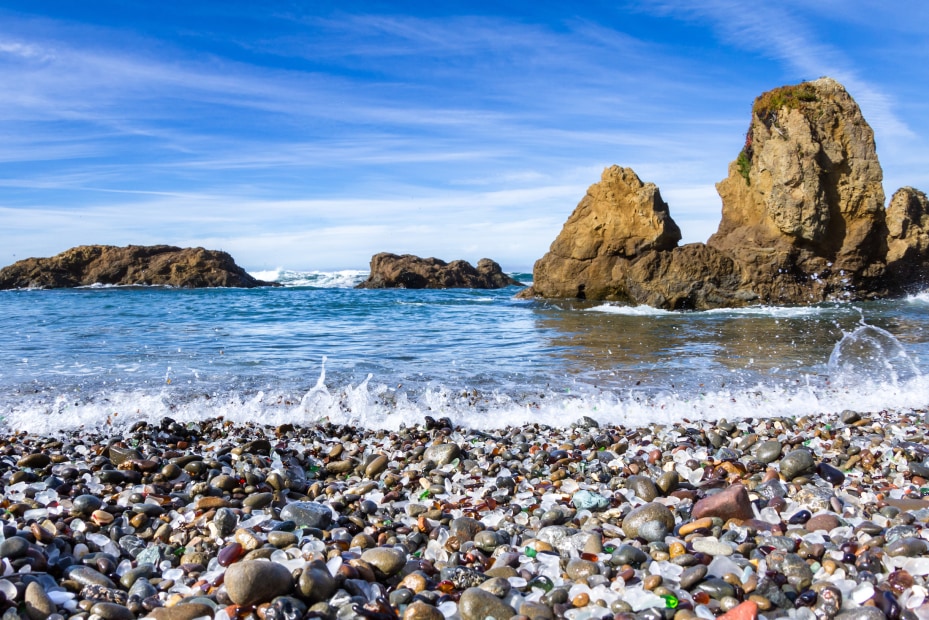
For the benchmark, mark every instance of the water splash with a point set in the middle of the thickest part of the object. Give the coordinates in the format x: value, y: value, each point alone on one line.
x: 871, y: 356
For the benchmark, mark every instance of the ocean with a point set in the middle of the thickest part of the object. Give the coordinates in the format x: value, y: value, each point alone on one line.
x: 317, y: 349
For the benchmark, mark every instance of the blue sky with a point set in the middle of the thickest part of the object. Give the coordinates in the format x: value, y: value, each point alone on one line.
x: 310, y: 135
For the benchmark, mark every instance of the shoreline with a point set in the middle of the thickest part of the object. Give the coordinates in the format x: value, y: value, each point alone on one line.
x: 682, y: 520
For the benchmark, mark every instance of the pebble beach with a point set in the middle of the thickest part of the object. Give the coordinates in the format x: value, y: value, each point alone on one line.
x: 770, y: 518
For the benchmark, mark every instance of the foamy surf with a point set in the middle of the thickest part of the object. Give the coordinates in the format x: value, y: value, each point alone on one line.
x: 373, y: 405
x: 346, y: 278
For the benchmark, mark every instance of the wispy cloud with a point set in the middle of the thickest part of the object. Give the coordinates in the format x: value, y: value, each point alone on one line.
x: 351, y: 133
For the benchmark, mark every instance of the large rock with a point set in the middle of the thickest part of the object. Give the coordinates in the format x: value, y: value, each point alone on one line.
x: 408, y: 271
x: 158, y: 265
x: 908, y: 238
x: 802, y: 222
x: 803, y: 203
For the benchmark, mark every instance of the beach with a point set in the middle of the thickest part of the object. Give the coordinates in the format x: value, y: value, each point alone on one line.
x: 818, y: 516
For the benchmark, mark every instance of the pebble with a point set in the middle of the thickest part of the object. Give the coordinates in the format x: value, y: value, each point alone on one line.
x: 435, y: 520
x: 388, y: 560
x: 307, y: 514
x: 477, y: 604
x: 797, y: 463
x: 732, y: 502
x: 650, y: 521
x: 37, y: 602
x: 250, y: 582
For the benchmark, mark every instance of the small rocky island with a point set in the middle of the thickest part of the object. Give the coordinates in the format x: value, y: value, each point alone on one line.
x: 408, y: 271
x: 157, y: 265
x: 803, y: 221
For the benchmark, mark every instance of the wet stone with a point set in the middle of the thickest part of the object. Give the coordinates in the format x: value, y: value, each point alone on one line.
x: 258, y: 500
x: 250, y: 582
x: 824, y: 521
x: 477, y: 604
x: 579, y: 569
x: 464, y: 528
x: 716, y: 588
x: 307, y: 514
x: 316, y: 583
x: 797, y: 463
x: 668, y: 481
x: 88, y: 576
x: 112, y: 611
x: 628, y: 554
x: 86, y: 504
x: 282, y: 539
x: 38, y: 460
x: 692, y: 576
x: 643, y: 487
x: 14, y: 547
x: 133, y: 574
x: 650, y: 521
x: 38, y: 604
x: 442, y: 454
x: 768, y: 451
x: 486, y: 541
x: 497, y: 586
x: 830, y: 474
x: 907, y: 547
x: 388, y: 560
x: 732, y: 502
x: 418, y: 610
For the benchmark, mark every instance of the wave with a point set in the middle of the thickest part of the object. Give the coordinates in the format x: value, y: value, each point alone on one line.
x: 765, y: 311
x: 374, y: 405
x: 346, y: 278
x: 922, y: 298
x: 630, y: 310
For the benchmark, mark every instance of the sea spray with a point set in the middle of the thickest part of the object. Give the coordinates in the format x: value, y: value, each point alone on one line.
x: 873, y: 356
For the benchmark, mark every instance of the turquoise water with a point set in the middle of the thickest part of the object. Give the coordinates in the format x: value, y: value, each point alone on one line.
x: 318, y: 349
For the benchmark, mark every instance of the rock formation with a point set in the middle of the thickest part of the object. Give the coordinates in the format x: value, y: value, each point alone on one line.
x: 408, y: 271
x: 908, y: 237
x: 159, y: 265
x: 803, y: 221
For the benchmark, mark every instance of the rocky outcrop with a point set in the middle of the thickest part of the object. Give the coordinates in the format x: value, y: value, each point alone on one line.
x: 159, y: 265
x: 803, y: 205
x: 408, y: 271
x: 908, y: 237
x: 620, y: 244
x: 803, y: 221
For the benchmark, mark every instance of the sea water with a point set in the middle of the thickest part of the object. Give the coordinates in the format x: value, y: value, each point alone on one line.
x: 317, y: 349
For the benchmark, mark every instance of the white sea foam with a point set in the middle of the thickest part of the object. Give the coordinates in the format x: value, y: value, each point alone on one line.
x: 346, y: 278
x: 921, y: 298
x: 374, y: 405
x: 630, y: 310
x: 786, y: 312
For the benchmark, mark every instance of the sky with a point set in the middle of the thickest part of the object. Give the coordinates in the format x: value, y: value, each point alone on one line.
x: 311, y: 135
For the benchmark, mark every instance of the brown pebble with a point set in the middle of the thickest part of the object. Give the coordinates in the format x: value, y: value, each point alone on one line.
x: 763, y: 603
x: 698, y: 524
x: 651, y: 582
x: 581, y: 600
